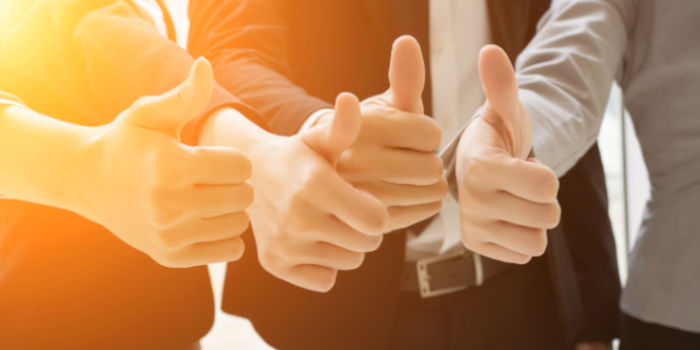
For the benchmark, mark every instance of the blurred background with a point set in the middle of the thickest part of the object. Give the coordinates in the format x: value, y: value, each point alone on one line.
x: 626, y: 177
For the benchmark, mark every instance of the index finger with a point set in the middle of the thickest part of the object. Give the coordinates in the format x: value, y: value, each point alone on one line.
x: 527, y: 179
x: 213, y: 165
x: 357, y: 209
x: 399, y: 129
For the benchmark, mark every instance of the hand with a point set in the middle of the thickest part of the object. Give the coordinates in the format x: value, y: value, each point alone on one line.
x: 394, y: 156
x: 183, y: 206
x: 307, y: 220
x: 507, y: 200
x: 594, y: 346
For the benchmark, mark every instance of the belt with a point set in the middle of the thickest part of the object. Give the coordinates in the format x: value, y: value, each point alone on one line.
x: 449, y: 273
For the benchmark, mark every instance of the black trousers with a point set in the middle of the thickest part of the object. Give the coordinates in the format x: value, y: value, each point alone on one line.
x: 515, y: 310
x: 636, y: 334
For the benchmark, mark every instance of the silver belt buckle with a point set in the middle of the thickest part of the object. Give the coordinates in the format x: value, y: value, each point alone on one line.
x: 424, y: 275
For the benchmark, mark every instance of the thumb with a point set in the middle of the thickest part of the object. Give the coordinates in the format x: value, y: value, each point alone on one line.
x: 169, y: 112
x: 407, y: 75
x: 330, y: 140
x: 501, y: 90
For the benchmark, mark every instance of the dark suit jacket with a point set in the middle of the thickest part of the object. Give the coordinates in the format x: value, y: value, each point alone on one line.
x: 65, y: 282
x: 290, y: 58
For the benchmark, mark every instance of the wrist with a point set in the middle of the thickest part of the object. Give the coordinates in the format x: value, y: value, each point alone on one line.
x: 317, y: 117
x: 83, y: 170
x: 227, y: 127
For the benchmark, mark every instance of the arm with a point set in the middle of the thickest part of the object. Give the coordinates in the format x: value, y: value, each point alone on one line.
x: 183, y: 206
x: 563, y: 82
x: 308, y: 222
x: 246, y: 43
x: 393, y: 158
x: 33, y: 152
x: 114, y: 51
x: 566, y: 72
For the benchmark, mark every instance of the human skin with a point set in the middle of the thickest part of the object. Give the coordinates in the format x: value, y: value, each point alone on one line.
x: 507, y: 199
x: 181, y: 205
x: 394, y: 157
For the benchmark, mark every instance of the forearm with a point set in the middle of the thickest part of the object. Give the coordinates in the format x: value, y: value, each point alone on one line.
x: 566, y: 72
x: 227, y: 127
x: 246, y: 43
x: 43, y: 159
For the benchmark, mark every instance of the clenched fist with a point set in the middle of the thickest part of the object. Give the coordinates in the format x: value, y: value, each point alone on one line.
x: 181, y: 205
x: 507, y: 199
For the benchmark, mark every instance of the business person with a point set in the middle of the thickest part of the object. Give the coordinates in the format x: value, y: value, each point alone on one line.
x: 68, y: 278
x: 324, y: 47
x: 555, y: 105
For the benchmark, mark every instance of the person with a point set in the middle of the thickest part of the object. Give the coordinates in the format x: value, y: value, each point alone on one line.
x: 99, y: 172
x: 288, y: 60
x: 67, y: 277
x: 554, y: 106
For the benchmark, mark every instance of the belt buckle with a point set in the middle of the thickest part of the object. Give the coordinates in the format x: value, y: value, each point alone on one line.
x: 424, y: 275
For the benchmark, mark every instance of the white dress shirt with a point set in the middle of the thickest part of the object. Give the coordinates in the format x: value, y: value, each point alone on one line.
x: 458, y: 30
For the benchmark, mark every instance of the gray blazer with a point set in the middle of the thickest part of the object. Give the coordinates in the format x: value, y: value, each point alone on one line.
x: 652, y: 48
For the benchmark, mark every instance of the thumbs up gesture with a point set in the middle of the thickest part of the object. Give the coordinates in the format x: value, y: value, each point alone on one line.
x: 309, y: 222
x: 181, y: 205
x: 507, y: 199
x: 393, y: 157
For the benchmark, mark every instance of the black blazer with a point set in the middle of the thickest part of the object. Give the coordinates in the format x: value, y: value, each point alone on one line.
x: 263, y: 51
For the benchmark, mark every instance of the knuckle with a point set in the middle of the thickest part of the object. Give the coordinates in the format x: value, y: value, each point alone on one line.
x: 443, y: 187
x: 435, y: 168
x: 236, y: 251
x: 167, y: 259
x: 240, y: 223
x: 163, y: 218
x: 540, y: 243
x: 248, y: 194
x: 165, y: 239
x: 470, y: 204
x: 326, y: 282
x: 298, y: 205
x: 242, y: 164
x: 352, y: 163
x: 549, y: 185
x: 373, y: 243
x: 475, y: 169
x: 552, y: 215
x: 434, y: 208
x: 356, y: 261
x: 433, y: 134
x: 469, y: 240
x: 285, y: 253
x: 522, y: 260
x: 314, y: 179
x: 245, y: 166
x: 378, y: 222
x: 143, y: 103
x: 269, y: 260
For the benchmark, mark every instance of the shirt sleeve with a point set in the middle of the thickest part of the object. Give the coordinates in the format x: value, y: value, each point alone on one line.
x: 246, y: 41
x: 566, y: 72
